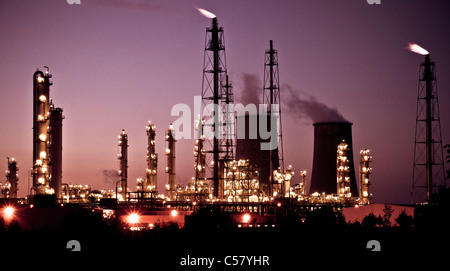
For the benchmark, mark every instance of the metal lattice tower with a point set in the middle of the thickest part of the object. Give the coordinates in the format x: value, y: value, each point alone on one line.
x: 271, y: 98
x: 216, y: 94
x: 428, y: 172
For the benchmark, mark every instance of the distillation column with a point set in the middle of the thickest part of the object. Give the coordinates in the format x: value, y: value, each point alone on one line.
x: 199, y: 155
x: 170, y: 168
x: 56, y: 117
x: 123, y: 165
x: 12, y: 177
x: 152, y: 160
x: 343, y: 171
x: 41, y: 127
x: 364, y: 172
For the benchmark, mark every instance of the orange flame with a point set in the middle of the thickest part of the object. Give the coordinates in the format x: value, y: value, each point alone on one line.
x: 417, y: 49
x: 206, y: 13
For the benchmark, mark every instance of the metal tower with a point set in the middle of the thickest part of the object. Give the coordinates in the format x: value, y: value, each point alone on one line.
x: 343, y: 170
x: 364, y: 172
x: 199, y: 154
x: 12, y: 177
x: 428, y: 172
x: 271, y: 98
x: 216, y: 94
x: 170, y: 168
x: 152, y: 160
x: 41, y: 133
x: 123, y: 161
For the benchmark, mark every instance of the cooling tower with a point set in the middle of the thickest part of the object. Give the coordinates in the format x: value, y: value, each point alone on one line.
x: 327, y: 137
x: 248, y: 146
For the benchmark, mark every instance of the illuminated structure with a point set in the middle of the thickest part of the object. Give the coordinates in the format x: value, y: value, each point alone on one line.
x: 241, y: 183
x: 249, y: 147
x: 200, y: 156
x: 342, y: 170
x: 9, y: 190
x: 75, y: 193
x: 303, y: 186
x: 428, y: 167
x: 47, y: 138
x: 271, y: 98
x: 364, y: 172
x: 216, y: 95
x: 282, y: 181
x: 152, y: 160
x: 170, y: 167
x: 56, y: 118
x: 123, y: 165
x: 41, y: 135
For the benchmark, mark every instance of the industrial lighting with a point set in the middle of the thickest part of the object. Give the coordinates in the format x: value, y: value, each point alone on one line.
x: 246, y: 218
x: 42, y: 98
x: 40, y: 79
x: 8, y: 212
x: 42, y: 137
x: 174, y: 213
x: 133, y: 218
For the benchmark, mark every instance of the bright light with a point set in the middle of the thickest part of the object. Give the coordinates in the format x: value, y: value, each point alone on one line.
x: 174, y: 213
x: 133, y: 218
x: 42, y: 137
x: 42, y: 98
x: 417, y: 49
x: 40, y: 79
x: 206, y: 13
x: 8, y: 212
x: 246, y: 218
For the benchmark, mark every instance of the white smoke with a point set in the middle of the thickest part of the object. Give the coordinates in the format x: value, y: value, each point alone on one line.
x: 308, y: 107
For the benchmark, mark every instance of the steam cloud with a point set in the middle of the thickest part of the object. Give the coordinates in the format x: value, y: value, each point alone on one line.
x: 251, y: 89
x: 308, y: 107
x: 110, y: 176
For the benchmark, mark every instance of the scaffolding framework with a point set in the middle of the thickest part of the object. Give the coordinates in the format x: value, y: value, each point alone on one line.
x: 216, y: 96
x: 271, y: 98
x: 428, y: 167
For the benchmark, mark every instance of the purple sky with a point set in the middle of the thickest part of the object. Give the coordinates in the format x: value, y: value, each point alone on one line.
x: 117, y: 64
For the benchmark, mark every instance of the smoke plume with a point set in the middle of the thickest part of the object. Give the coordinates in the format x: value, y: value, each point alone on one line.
x: 308, y: 107
x: 251, y: 89
x: 110, y: 176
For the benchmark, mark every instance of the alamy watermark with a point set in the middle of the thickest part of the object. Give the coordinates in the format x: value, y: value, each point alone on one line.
x: 256, y: 119
x: 72, y: 2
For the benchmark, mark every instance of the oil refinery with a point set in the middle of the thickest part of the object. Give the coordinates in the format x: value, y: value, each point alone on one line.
x: 235, y: 174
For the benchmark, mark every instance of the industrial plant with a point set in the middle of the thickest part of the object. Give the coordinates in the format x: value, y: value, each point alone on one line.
x: 239, y: 165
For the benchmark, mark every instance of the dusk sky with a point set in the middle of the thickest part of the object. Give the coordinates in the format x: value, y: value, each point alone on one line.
x: 117, y: 64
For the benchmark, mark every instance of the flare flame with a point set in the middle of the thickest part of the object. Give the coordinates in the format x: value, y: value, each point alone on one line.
x: 206, y: 13
x: 417, y: 49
